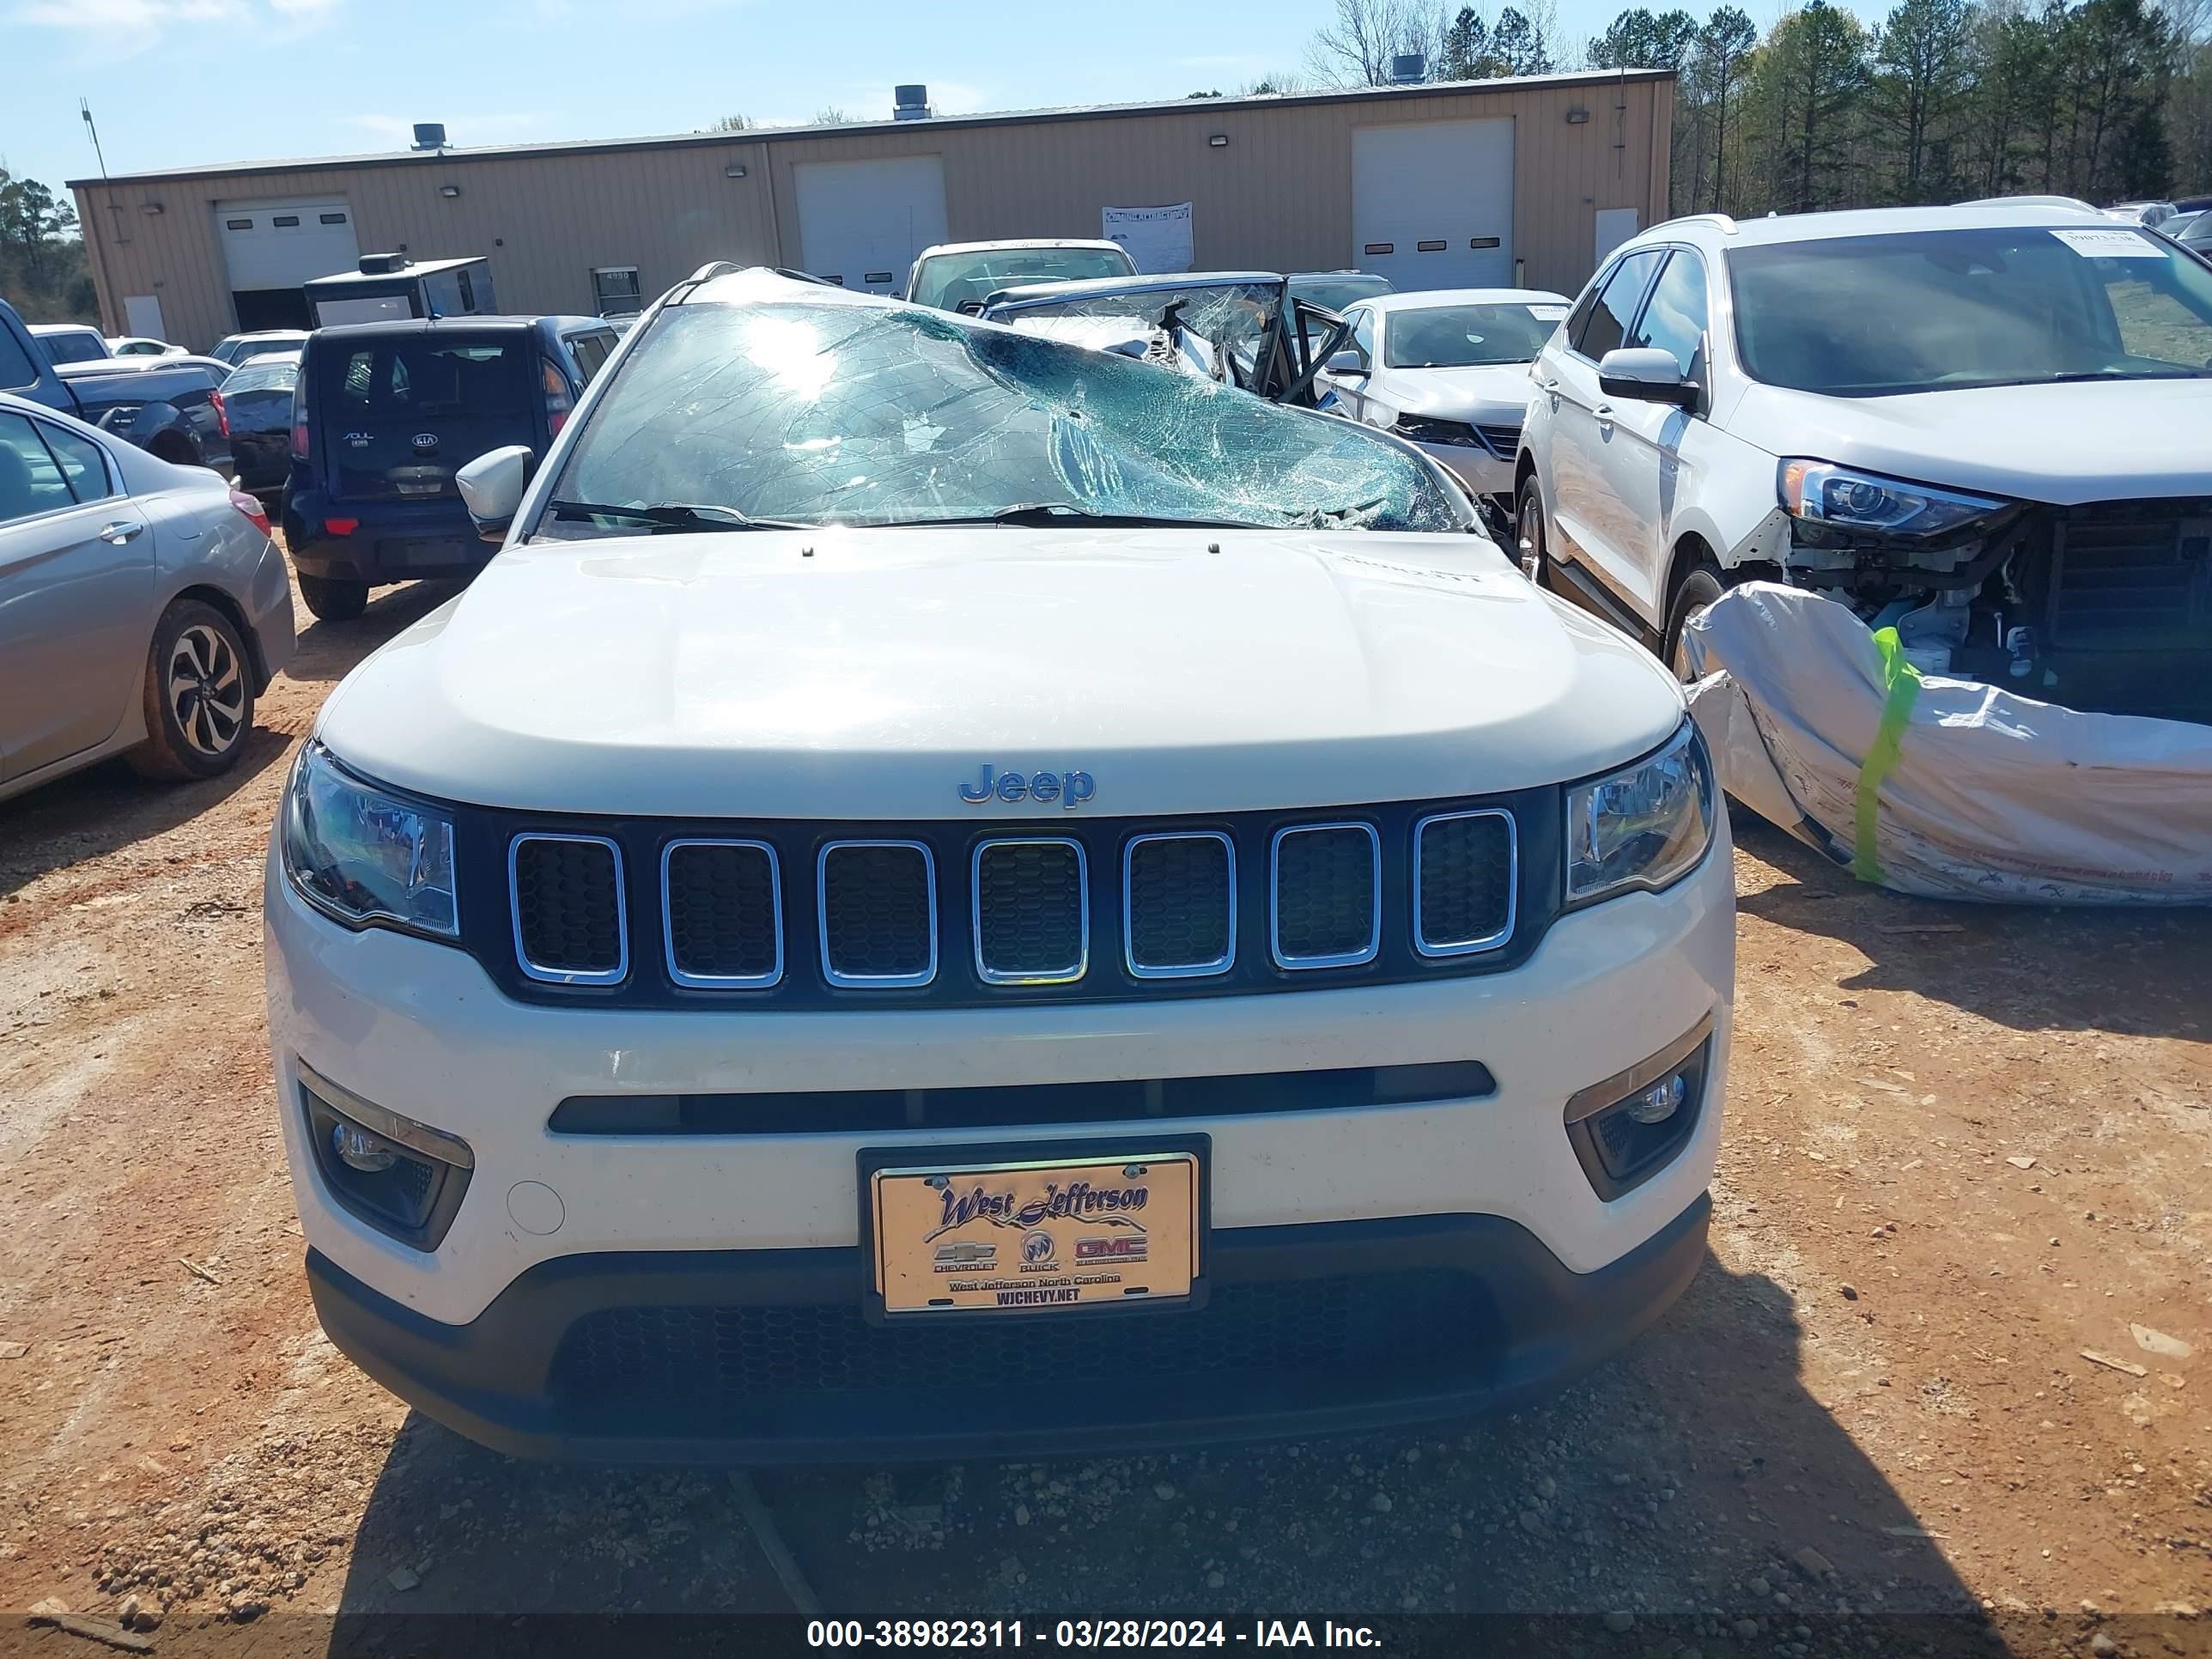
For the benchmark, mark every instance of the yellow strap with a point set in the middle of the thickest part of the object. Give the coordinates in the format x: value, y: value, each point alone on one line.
x: 1903, y: 681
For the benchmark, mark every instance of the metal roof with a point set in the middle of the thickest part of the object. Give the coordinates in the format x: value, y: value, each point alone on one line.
x: 407, y: 272
x: 452, y: 156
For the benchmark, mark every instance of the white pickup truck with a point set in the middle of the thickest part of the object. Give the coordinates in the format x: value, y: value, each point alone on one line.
x: 949, y: 893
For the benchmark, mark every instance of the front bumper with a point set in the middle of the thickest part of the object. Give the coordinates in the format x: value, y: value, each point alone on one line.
x: 1477, y: 1211
x: 763, y: 1356
x: 1482, y: 472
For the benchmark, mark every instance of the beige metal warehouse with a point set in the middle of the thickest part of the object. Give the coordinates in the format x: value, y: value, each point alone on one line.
x: 1526, y: 180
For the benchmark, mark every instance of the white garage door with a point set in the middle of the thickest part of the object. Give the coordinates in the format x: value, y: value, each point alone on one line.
x: 284, y: 244
x: 860, y: 223
x: 1433, y: 204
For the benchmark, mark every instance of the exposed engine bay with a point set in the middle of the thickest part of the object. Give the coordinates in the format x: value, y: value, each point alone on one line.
x: 2105, y: 606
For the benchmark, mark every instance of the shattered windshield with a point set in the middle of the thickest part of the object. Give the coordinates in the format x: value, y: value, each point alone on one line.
x: 811, y: 412
x: 1202, y: 327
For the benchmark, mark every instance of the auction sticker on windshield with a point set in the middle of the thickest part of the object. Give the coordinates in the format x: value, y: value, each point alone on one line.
x: 2111, y: 244
x: 1022, y: 1237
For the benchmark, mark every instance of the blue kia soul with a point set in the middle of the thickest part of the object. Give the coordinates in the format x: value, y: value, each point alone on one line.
x: 383, y: 415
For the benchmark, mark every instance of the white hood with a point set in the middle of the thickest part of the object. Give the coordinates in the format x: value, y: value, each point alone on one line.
x: 2094, y: 440
x: 738, y: 675
x: 1498, y: 392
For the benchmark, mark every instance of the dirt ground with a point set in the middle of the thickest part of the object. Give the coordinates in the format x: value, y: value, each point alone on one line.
x: 1967, y: 1150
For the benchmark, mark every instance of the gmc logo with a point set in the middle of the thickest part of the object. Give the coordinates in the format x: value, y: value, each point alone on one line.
x: 1092, y: 1249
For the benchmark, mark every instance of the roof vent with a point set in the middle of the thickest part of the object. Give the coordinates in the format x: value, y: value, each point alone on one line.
x: 383, y: 265
x: 1409, y: 69
x: 429, y: 135
x: 910, y: 103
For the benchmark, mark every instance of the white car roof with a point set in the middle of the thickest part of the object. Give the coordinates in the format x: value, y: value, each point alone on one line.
x: 61, y: 328
x: 1019, y: 242
x: 2022, y: 213
x: 1387, y: 304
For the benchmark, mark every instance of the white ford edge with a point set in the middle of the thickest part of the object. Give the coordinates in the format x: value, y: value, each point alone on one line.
x: 1984, y: 424
x: 946, y: 893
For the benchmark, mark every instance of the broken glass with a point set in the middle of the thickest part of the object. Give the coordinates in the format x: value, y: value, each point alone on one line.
x: 829, y: 411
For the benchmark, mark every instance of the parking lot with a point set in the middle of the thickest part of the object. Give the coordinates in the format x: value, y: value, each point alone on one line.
x: 1948, y: 1351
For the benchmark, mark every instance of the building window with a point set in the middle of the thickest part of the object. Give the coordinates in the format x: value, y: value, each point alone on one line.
x: 331, y: 218
x: 286, y: 220
x: 238, y: 224
x: 615, y: 290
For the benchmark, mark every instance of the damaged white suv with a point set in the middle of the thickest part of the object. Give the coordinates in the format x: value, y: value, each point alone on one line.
x: 948, y: 894
x: 1986, y: 425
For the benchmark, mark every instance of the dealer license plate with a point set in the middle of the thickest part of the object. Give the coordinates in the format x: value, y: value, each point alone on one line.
x: 1032, y: 1236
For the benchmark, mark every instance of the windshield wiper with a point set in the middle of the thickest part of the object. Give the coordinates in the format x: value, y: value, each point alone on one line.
x: 1044, y: 514
x: 2074, y: 377
x: 676, y: 516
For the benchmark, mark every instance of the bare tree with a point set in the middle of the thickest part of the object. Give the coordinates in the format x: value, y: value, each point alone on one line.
x: 1356, y: 50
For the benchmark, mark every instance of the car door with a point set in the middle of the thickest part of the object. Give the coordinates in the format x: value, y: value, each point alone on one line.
x: 76, y: 591
x: 1351, y: 390
x: 1640, y: 466
x: 1584, y: 421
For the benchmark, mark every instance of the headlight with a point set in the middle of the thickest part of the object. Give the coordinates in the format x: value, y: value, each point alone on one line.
x: 362, y: 855
x: 1644, y: 826
x: 1423, y: 430
x: 1823, y: 494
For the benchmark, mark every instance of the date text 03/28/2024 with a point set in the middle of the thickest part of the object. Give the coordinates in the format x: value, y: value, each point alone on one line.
x: 1083, y: 1633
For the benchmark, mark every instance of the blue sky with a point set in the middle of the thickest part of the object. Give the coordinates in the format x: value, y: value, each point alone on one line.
x: 178, y: 82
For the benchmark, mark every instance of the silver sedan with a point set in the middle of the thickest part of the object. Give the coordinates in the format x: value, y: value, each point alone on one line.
x: 143, y: 607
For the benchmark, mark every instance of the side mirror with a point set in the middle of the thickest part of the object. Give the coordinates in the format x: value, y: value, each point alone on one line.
x: 491, y: 487
x: 1647, y: 373
x: 1345, y: 362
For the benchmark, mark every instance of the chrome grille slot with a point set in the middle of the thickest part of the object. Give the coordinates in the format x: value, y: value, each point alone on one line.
x: 571, y: 920
x: 877, y: 901
x: 1179, y: 905
x: 1326, y: 889
x: 1503, y: 441
x: 1464, y: 881
x: 1031, y: 912
x: 722, y: 914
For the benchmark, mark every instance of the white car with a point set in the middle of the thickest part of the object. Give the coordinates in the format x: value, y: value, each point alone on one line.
x: 70, y: 343
x: 901, y: 914
x: 1984, y: 424
x: 1450, y: 371
x: 139, y: 346
x: 236, y: 349
x: 962, y: 275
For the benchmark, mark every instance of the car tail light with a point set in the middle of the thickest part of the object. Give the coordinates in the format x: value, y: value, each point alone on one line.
x: 341, y: 526
x: 253, y: 510
x: 221, y: 415
x: 558, y: 403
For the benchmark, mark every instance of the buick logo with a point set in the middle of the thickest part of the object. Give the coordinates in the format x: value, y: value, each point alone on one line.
x: 1036, y: 1247
x: 426, y: 440
x: 1070, y: 789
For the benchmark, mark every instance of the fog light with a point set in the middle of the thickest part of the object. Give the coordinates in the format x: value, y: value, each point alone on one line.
x: 359, y: 1149
x: 401, y: 1177
x: 1657, y: 1103
x: 1627, y: 1128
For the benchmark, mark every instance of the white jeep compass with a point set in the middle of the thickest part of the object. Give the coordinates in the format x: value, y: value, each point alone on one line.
x: 949, y: 894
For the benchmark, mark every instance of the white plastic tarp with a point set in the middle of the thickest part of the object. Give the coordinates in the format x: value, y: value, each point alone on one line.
x: 1974, y: 793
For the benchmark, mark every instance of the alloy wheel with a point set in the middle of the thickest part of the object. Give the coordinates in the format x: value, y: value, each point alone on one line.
x: 207, y: 689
